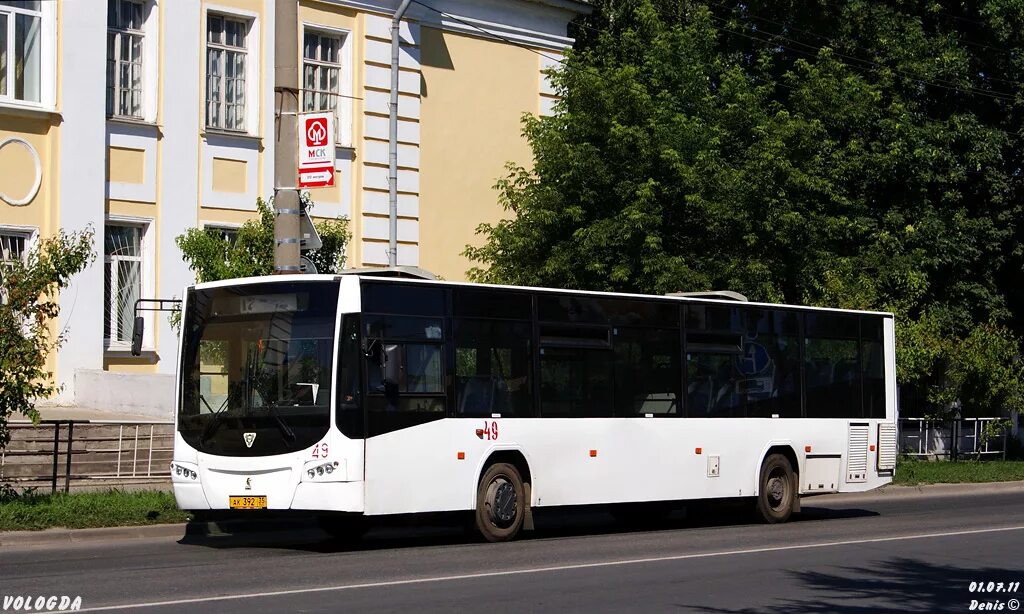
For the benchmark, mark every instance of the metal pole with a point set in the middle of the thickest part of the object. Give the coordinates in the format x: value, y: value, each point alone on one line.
x: 396, y: 24
x: 135, y: 455
x: 120, y: 432
x: 286, y: 173
x: 67, y: 466
x: 56, y: 451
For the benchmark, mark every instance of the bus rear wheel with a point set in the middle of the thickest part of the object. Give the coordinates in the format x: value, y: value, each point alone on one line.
x: 500, y: 503
x: 777, y: 494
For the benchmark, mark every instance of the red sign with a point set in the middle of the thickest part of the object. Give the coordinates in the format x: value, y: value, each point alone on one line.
x: 316, y: 150
x: 316, y: 131
x: 316, y: 177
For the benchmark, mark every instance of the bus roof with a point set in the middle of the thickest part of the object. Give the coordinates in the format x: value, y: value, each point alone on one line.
x: 406, y: 280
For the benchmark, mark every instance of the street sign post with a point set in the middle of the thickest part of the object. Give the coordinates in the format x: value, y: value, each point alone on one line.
x: 316, y: 150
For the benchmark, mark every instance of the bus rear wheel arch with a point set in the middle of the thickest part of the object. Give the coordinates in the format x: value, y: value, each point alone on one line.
x: 777, y: 496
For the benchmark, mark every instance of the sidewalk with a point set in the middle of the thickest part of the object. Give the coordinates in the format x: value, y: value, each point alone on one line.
x: 68, y: 412
x: 58, y: 536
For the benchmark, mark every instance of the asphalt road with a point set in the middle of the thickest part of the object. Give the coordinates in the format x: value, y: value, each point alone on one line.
x: 846, y: 553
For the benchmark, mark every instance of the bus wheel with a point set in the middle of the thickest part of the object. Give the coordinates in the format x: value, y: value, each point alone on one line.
x: 500, y: 502
x: 777, y: 492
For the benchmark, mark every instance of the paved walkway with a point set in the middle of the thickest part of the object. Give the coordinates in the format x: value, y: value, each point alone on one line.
x: 61, y: 412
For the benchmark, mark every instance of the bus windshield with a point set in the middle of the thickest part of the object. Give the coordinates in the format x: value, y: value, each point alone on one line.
x: 256, y: 367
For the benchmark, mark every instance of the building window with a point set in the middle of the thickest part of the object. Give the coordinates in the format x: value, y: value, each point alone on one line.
x: 228, y: 234
x: 122, y: 280
x: 125, y: 25
x: 21, y: 50
x: 321, y: 72
x: 226, y: 57
x: 13, y: 247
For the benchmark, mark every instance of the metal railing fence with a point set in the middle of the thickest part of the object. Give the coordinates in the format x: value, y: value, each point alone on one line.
x: 952, y: 439
x: 116, y: 450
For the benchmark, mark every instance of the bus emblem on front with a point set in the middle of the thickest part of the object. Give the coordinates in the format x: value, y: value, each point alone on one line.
x: 249, y: 438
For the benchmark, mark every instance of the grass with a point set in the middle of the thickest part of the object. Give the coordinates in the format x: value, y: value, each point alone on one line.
x: 912, y: 472
x: 112, y: 508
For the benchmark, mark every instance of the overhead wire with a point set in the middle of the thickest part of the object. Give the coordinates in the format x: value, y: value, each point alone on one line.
x: 813, y: 51
x: 995, y: 95
x: 831, y: 41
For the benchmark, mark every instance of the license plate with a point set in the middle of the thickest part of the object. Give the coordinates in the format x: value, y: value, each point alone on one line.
x: 248, y: 503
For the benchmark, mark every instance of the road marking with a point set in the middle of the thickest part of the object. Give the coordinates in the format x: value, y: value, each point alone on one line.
x: 514, y: 572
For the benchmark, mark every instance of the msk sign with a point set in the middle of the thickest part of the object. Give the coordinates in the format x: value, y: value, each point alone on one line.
x: 316, y: 150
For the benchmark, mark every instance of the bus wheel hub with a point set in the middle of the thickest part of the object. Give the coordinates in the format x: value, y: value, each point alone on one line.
x: 776, y: 490
x: 502, y: 499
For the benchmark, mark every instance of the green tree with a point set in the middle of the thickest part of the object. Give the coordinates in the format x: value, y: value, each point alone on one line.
x: 852, y: 154
x: 29, y: 291
x: 252, y: 252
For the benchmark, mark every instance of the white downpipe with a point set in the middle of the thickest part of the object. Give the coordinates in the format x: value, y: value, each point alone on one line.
x: 396, y: 22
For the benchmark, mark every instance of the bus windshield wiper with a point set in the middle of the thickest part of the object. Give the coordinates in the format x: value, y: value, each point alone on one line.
x: 216, y: 417
x: 282, y: 426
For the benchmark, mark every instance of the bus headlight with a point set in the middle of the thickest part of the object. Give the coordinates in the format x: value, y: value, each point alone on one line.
x: 184, y: 472
x: 322, y: 472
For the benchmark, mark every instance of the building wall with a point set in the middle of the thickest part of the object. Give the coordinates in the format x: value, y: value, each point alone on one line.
x: 462, y: 94
x: 465, y: 153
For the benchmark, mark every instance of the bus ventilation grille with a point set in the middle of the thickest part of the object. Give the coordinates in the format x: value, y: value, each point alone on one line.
x: 886, y: 447
x: 857, y: 454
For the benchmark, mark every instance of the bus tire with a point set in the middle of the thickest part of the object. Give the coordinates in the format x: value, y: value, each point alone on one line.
x: 777, y: 493
x: 500, y: 503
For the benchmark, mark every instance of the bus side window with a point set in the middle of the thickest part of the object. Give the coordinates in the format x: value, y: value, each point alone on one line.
x: 832, y: 366
x: 873, y: 366
x: 714, y: 346
x: 492, y: 368
x: 350, y: 411
x: 646, y: 372
x: 404, y: 372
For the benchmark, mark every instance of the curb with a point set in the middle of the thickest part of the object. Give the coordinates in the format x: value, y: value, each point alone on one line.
x: 77, y: 536
x: 922, y: 491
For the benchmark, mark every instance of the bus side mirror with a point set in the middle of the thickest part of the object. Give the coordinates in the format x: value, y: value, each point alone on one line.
x: 392, y: 364
x: 138, y: 329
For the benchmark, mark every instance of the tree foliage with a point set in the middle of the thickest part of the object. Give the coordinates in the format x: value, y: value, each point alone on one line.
x: 252, y: 252
x: 854, y: 154
x: 30, y: 292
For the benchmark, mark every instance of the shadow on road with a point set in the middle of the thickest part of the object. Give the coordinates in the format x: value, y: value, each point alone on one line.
x: 416, y: 531
x: 899, y: 584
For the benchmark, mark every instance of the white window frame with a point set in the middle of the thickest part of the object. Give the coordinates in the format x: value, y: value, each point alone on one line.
x: 343, y: 113
x: 47, y: 14
x: 223, y: 227
x: 29, y: 234
x: 252, y: 66
x: 150, y: 63
x: 147, y: 287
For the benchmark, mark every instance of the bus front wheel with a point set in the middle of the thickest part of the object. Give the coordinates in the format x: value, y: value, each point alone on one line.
x: 777, y: 494
x: 500, y: 503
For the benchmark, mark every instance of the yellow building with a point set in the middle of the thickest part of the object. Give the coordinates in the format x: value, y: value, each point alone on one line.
x: 144, y: 118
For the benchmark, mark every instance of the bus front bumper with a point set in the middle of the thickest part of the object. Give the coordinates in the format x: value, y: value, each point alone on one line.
x: 279, y: 488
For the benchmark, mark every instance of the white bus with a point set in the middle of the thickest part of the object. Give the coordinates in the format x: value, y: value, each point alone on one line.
x: 357, y: 396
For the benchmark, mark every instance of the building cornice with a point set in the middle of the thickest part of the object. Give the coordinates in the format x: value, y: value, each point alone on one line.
x: 535, y: 23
